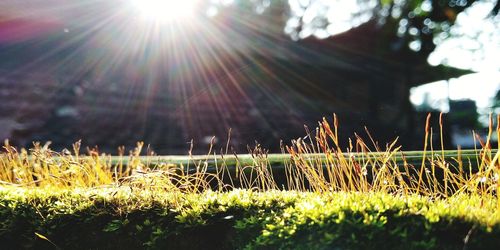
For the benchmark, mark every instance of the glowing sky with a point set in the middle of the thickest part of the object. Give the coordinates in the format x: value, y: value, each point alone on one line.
x: 165, y: 10
x: 474, y: 44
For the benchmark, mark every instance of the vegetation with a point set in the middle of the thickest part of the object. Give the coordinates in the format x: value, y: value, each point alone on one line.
x: 425, y: 22
x: 121, y: 218
x: 321, y: 197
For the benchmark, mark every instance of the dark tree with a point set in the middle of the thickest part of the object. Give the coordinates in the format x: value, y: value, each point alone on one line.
x: 415, y: 22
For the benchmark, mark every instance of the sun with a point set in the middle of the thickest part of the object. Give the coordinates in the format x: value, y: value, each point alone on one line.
x: 165, y: 10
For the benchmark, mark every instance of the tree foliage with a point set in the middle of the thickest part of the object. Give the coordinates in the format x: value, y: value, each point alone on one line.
x: 415, y: 22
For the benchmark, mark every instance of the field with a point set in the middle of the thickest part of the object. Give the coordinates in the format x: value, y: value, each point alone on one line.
x: 315, y: 195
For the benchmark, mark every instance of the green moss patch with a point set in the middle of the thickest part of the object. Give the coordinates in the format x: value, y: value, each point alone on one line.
x: 123, y: 218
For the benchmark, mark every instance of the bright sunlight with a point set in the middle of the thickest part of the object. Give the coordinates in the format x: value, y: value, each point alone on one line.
x: 165, y: 10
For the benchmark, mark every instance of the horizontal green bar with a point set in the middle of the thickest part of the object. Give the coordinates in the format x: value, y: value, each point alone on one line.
x: 411, y: 157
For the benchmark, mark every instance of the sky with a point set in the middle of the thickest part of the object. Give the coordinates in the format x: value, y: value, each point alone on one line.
x: 474, y: 44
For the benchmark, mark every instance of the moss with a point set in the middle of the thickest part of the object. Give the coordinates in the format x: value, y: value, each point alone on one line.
x: 124, y: 219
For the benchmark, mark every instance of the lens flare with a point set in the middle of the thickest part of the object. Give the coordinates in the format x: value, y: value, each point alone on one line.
x: 165, y: 10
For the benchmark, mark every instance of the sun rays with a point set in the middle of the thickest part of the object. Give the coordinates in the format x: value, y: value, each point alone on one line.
x: 165, y: 10
x: 148, y: 57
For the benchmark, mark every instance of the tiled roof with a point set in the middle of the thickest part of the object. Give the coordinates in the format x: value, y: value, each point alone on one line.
x: 111, y: 113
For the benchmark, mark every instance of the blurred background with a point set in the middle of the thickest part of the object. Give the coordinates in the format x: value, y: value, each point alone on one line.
x: 166, y: 72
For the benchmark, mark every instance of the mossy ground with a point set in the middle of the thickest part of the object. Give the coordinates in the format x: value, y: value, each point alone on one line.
x: 121, y: 218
